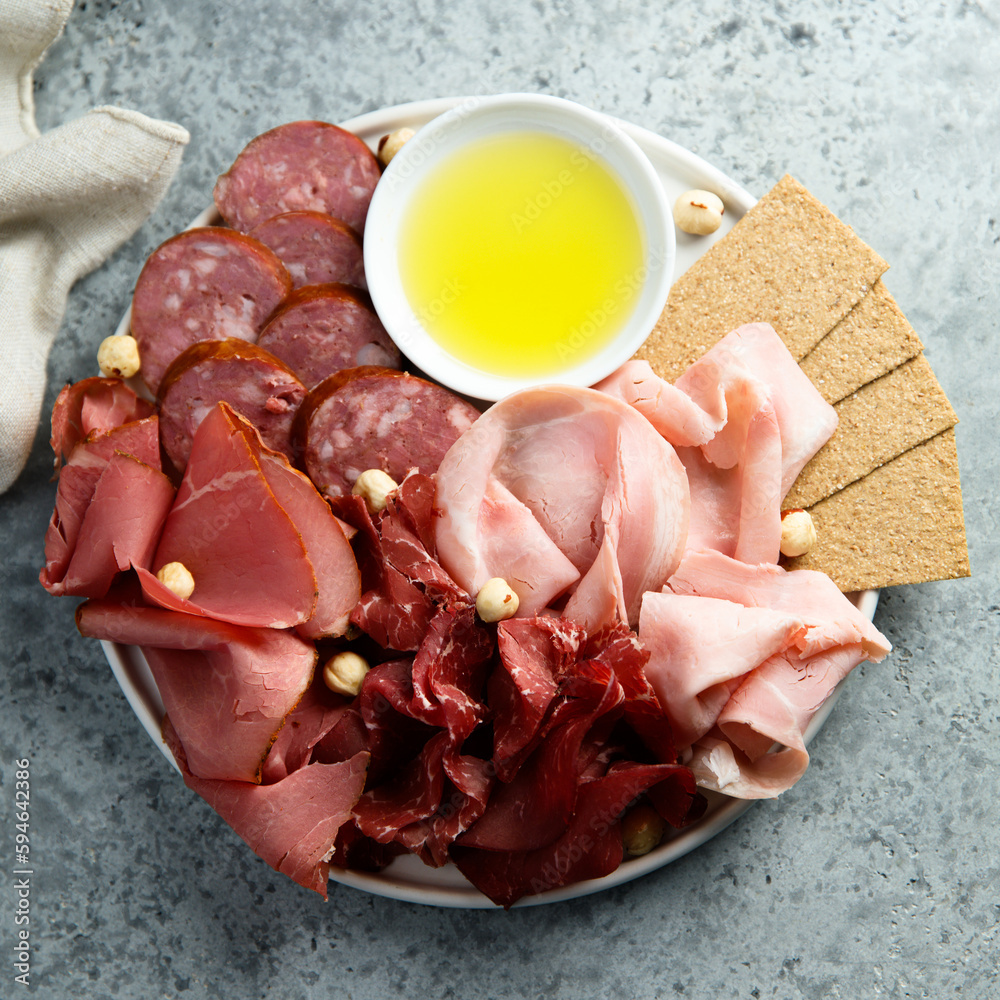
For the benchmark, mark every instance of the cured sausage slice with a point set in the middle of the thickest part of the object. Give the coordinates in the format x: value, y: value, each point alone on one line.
x: 315, y: 247
x: 253, y: 382
x: 322, y: 329
x: 305, y: 165
x: 203, y: 284
x: 377, y: 418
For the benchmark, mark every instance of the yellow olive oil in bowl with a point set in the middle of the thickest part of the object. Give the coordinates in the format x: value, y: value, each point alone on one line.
x: 522, y: 254
x: 518, y: 239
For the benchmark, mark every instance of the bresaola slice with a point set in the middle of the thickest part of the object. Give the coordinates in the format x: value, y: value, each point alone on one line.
x: 322, y: 329
x: 209, y: 283
x: 300, y: 166
x: 257, y: 385
x: 109, y: 510
x: 227, y: 690
x: 292, y: 824
x: 263, y: 547
x: 92, y: 404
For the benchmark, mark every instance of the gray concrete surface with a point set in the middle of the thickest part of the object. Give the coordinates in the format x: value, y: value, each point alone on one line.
x: 875, y: 876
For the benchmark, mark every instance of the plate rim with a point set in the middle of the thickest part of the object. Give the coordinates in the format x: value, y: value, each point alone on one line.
x: 136, y: 681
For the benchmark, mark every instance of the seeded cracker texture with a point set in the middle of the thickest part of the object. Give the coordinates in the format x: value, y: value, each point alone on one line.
x: 875, y: 424
x: 788, y: 262
x: 903, y: 523
x: 871, y: 340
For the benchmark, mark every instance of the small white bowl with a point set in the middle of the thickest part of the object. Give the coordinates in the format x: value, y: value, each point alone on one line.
x: 433, y: 145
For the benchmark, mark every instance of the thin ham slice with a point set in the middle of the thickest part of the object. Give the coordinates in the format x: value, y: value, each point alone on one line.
x: 735, y: 694
x: 591, y: 472
x: 700, y: 648
x: 226, y: 689
x: 745, y: 420
x: 248, y: 559
x: 292, y: 824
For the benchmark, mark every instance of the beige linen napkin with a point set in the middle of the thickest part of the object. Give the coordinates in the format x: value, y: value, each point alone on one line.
x: 68, y: 199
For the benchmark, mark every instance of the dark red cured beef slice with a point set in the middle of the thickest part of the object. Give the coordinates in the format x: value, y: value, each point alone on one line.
x: 465, y: 792
x: 315, y: 247
x: 120, y: 528
x: 78, y: 481
x: 371, y: 418
x: 257, y: 385
x: 356, y: 852
x: 93, y: 404
x: 203, y: 284
x: 534, y: 652
x: 449, y: 672
x: 301, y: 166
x: 226, y: 689
x: 323, y: 329
x: 590, y: 848
x: 292, y: 824
x: 247, y: 558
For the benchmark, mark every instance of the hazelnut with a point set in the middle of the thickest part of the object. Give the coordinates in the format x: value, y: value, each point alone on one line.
x: 698, y: 212
x: 345, y: 673
x: 374, y: 487
x: 798, y: 533
x: 177, y: 578
x: 496, y: 601
x: 118, y: 357
x: 642, y: 830
x: 389, y: 145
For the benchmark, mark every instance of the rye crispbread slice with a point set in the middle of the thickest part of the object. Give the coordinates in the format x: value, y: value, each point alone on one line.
x: 902, y: 523
x: 789, y: 262
x: 881, y: 420
x: 871, y: 340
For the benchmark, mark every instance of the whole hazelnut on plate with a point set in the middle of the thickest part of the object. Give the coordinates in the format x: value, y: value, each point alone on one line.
x: 698, y: 212
x: 798, y: 533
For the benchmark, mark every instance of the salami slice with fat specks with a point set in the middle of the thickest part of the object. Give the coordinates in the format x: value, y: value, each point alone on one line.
x: 315, y: 247
x: 203, y: 284
x: 322, y: 329
x: 377, y: 418
x: 253, y: 382
x: 307, y: 165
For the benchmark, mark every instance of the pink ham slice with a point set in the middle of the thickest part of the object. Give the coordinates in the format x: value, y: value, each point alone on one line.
x: 110, y: 505
x: 227, y: 690
x: 93, y: 404
x: 745, y: 419
x: 248, y: 559
x: 559, y: 487
x: 700, y: 648
x: 807, y: 637
x: 292, y: 824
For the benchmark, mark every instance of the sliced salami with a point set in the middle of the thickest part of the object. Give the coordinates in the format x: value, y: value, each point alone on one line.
x: 377, y: 418
x: 203, y: 284
x: 253, y: 382
x: 308, y: 165
x: 315, y: 247
x: 321, y: 329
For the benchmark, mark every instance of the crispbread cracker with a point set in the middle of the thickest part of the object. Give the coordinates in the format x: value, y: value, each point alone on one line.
x: 902, y: 523
x: 878, y: 422
x: 872, y: 339
x: 788, y: 262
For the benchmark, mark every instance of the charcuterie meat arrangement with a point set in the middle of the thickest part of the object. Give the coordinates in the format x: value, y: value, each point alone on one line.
x: 383, y: 621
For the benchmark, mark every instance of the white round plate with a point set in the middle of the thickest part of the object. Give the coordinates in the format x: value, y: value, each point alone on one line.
x: 408, y: 878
